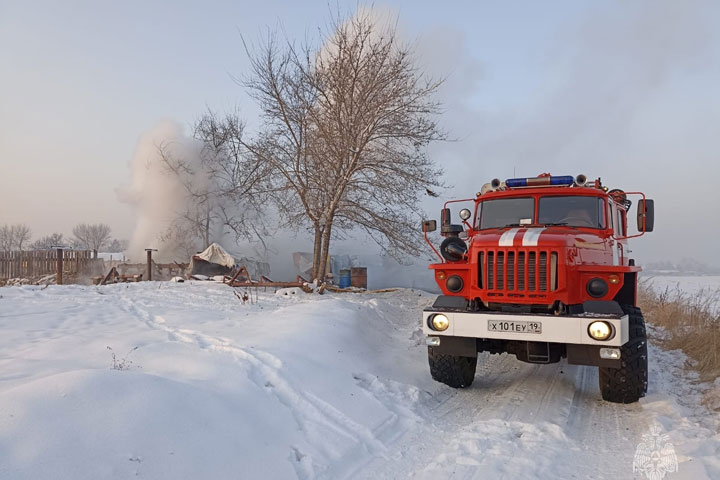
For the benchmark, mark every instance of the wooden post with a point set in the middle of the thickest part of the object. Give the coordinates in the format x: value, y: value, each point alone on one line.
x: 59, y: 271
x: 149, y: 262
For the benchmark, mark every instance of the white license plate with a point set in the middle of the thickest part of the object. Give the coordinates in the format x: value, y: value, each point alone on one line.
x: 515, y: 326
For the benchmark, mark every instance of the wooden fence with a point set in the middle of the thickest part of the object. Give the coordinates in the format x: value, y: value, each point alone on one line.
x: 28, y: 264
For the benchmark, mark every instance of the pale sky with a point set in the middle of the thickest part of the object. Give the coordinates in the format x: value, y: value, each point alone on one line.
x: 628, y: 91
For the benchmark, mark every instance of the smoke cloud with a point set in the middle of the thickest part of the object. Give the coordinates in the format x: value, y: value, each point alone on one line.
x: 157, y: 195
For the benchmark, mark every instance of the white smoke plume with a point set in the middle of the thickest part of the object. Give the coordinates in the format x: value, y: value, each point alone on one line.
x: 157, y: 195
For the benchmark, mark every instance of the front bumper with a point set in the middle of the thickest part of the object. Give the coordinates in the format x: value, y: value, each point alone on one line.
x: 555, y: 329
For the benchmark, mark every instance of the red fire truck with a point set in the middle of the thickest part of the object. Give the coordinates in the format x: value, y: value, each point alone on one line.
x: 539, y: 268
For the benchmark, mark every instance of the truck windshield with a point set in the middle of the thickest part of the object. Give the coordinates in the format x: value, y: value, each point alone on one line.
x: 574, y: 211
x: 506, y: 212
x: 571, y: 210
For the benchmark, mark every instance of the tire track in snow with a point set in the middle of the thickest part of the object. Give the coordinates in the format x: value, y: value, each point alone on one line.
x: 455, y: 410
x: 522, y: 404
x: 599, y: 426
x: 406, y: 403
x: 316, y: 418
x: 571, y: 401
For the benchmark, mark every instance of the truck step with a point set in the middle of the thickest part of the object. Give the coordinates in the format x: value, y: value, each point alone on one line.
x: 538, y: 352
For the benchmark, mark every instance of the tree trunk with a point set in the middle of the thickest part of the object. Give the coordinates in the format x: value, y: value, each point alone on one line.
x: 207, y: 232
x: 322, y: 266
x: 317, y: 248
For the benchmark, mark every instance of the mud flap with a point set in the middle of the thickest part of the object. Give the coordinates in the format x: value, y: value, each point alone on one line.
x: 457, y: 346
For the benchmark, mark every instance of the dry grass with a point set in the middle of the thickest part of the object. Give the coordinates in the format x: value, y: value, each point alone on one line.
x: 692, y: 324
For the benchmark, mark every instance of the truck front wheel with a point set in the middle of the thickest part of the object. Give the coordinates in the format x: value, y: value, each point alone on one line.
x: 628, y: 383
x: 452, y: 370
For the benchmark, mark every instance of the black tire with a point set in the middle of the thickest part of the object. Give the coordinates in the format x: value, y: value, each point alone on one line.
x: 628, y: 383
x: 452, y: 370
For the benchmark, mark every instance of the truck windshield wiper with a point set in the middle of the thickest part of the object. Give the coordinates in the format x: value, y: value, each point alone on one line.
x: 548, y: 224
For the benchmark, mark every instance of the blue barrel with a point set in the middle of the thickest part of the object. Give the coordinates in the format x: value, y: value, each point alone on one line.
x: 344, y: 278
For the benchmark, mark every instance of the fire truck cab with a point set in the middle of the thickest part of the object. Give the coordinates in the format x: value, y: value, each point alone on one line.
x: 538, y: 267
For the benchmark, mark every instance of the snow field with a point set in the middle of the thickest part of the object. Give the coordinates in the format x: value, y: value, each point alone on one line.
x: 301, y: 386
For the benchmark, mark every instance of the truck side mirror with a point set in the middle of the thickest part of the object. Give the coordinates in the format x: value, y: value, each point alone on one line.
x: 429, y: 226
x: 646, y: 212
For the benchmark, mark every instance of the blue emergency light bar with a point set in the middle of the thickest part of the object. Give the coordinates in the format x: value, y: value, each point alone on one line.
x: 539, y: 181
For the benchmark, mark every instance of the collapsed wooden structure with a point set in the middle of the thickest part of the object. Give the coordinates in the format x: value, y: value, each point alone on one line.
x: 121, y: 272
x: 113, y: 276
x: 242, y: 278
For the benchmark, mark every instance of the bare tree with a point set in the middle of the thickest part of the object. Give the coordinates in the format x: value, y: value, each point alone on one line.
x: 6, y: 238
x: 21, y: 235
x: 182, y: 238
x: 47, y: 242
x: 91, y: 236
x: 117, y: 245
x: 14, y: 236
x: 345, y: 129
x: 225, y: 186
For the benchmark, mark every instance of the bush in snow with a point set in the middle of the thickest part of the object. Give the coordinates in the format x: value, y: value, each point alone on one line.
x: 123, y: 363
x: 691, y: 322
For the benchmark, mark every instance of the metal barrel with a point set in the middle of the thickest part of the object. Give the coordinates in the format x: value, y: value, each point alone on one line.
x: 344, y: 278
x: 358, y: 277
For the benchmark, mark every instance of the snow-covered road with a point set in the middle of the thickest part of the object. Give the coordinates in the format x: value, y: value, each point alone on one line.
x: 303, y: 387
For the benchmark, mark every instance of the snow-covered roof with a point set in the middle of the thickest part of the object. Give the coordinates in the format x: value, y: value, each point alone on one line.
x: 216, y: 254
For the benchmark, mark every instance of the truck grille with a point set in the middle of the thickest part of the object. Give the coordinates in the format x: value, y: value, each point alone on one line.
x: 518, y: 271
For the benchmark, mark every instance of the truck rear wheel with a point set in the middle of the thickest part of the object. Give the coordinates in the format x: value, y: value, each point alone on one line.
x: 628, y: 383
x: 452, y: 370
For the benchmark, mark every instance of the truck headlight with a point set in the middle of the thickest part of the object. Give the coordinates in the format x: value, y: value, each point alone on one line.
x: 600, y: 330
x: 438, y: 322
x: 454, y: 283
x: 597, y: 287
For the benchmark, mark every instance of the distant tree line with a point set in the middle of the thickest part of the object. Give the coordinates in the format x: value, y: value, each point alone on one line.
x: 688, y: 266
x: 85, y: 237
